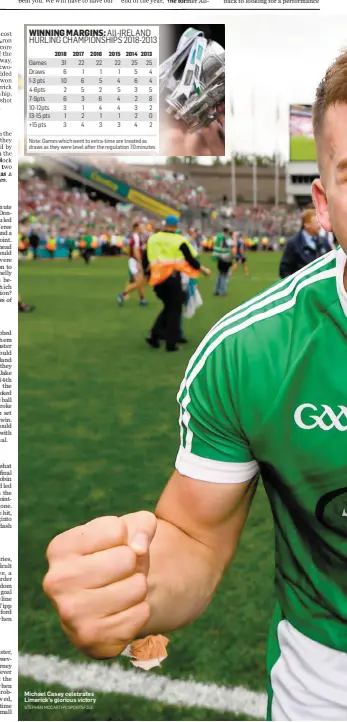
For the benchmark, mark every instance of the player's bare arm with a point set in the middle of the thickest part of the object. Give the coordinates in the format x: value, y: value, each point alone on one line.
x: 117, y: 578
x: 199, y: 527
x: 137, y: 254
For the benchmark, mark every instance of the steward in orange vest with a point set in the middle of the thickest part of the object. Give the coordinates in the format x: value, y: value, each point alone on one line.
x: 167, y: 255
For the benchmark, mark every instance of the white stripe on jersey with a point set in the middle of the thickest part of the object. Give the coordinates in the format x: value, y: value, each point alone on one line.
x: 331, y: 273
x: 282, y: 289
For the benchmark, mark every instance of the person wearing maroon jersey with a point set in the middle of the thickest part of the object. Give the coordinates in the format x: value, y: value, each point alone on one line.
x: 137, y: 280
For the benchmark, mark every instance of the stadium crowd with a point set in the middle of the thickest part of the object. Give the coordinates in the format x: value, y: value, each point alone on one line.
x: 55, y: 213
x: 177, y: 188
x: 167, y: 185
x: 275, y: 220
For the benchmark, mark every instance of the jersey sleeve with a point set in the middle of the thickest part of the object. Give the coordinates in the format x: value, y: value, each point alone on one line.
x: 213, y: 445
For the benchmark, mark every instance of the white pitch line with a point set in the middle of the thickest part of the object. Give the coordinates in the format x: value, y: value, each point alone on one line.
x: 99, y: 677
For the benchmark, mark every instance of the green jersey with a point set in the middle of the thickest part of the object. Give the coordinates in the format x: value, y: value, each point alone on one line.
x: 88, y: 240
x: 266, y: 392
x: 222, y: 247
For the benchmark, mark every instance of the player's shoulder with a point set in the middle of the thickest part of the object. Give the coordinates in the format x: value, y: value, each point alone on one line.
x: 267, y: 320
x: 283, y: 304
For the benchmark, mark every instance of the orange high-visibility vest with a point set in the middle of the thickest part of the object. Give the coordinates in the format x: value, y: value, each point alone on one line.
x: 51, y: 244
x: 165, y: 257
x: 21, y: 243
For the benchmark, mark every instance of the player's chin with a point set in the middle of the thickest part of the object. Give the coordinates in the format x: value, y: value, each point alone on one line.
x: 339, y: 229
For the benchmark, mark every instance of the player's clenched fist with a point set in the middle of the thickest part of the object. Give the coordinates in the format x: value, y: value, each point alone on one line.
x: 97, y: 580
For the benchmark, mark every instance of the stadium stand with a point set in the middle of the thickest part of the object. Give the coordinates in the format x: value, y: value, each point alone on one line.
x: 69, y: 207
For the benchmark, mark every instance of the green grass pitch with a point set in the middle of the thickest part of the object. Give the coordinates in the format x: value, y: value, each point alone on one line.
x: 99, y: 435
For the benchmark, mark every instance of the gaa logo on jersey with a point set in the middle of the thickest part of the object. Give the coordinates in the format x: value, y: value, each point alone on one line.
x: 308, y: 416
x: 331, y: 510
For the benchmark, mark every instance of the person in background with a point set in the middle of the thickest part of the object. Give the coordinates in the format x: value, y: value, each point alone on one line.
x: 34, y: 242
x: 113, y: 244
x: 137, y: 281
x: 186, y: 282
x: 70, y: 245
x: 119, y: 244
x: 255, y: 243
x: 86, y: 247
x: 305, y: 246
x: 51, y: 245
x: 193, y: 235
x: 222, y: 252
x: 94, y: 246
x: 22, y: 242
x: 167, y: 255
x: 238, y: 251
x: 61, y: 238
x: 264, y: 243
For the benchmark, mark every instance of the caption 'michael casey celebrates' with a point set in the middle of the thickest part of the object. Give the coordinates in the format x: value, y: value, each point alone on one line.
x: 117, y: 578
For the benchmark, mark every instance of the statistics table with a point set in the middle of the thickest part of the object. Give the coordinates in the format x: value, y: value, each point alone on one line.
x: 91, y: 88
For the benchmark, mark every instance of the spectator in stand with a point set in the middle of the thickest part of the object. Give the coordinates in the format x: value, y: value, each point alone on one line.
x: 54, y: 212
x: 162, y: 183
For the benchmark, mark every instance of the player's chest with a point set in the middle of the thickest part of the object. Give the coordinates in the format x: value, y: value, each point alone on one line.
x: 305, y: 429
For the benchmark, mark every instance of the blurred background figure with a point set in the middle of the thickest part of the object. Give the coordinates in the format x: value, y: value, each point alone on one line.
x: 239, y: 257
x: 168, y: 255
x: 305, y: 246
x: 70, y: 245
x: 34, y: 241
x: 137, y: 280
x: 222, y: 253
x: 51, y: 245
x: 87, y: 246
